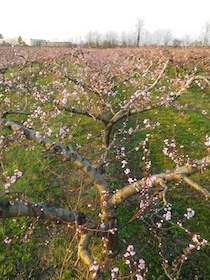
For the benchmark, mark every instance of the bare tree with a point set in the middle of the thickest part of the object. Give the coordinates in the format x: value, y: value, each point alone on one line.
x: 139, y: 30
x: 167, y: 37
x: 110, y: 39
x: 93, y: 39
x: 187, y: 40
x: 206, y: 34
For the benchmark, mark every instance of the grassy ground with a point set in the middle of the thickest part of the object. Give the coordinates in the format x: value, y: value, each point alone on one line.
x: 41, y: 250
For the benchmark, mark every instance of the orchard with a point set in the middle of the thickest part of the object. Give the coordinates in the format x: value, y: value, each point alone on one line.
x: 104, y: 163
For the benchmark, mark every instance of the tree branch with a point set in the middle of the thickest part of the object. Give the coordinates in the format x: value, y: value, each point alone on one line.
x: 17, y: 208
x: 187, y: 84
x: 125, y: 112
x: 196, y: 186
x: 171, y: 175
x: 15, y: 113
x: 85, y: 256
x: 159, y: 76
x: 66, y: 151
x: 83, y: 85
x: 90, y: 89
x: 85, y: 113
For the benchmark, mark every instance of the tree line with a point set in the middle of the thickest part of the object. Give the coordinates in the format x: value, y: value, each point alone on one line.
x: 135, y: 38
x: 142, y: 37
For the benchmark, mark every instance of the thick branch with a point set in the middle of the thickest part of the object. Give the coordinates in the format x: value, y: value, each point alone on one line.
x: 196, y: 186
x: 18, y: 208
x: 85, y: 256
x: 168, y: 176
x: 66, y: 151
x: 127, y: 109
x: 188, y: 83
x: 137, y: 95
x: 15, y: 113
x: 83, y: 252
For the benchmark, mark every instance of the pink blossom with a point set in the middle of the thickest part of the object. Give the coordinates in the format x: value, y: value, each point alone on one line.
x: 7, y: 185
x: 141, y: 264
x: 190, y: 213
x: 7, y: 240
x: 207, y: 141
x: 124, y: 162
x: 127, y: 171
x: 139, y: 277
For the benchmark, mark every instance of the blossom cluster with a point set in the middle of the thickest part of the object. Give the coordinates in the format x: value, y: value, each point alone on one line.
x: 12, y: 179
x: 7, y: 240
x: 190, y: 213
x: 94, y: 269
x: 137, y: 268
x: 170, y: 150
x: 207, y: 141
x: 166, y: 216
x: 197, y: 244
x: 173, y: 267
x: 62, y: 133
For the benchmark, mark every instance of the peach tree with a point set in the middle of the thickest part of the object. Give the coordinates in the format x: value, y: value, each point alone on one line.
x: 98, y: 129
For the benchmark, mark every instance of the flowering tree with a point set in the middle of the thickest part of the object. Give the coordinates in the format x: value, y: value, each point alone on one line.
x: 80, y: 104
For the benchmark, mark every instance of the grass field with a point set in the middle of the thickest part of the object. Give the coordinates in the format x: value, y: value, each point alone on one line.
x: 44, y: 250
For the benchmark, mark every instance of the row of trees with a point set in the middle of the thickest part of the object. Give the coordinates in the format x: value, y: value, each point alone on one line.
x: 139, y: 37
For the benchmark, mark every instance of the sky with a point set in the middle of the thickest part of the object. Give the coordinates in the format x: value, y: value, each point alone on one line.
x: 65, y: 20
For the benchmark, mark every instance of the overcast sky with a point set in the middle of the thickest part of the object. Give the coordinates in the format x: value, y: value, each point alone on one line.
x: 70, y: 19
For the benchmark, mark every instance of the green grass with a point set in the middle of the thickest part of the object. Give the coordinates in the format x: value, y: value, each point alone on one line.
x: 46, y: 178
x: 188, y: 127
